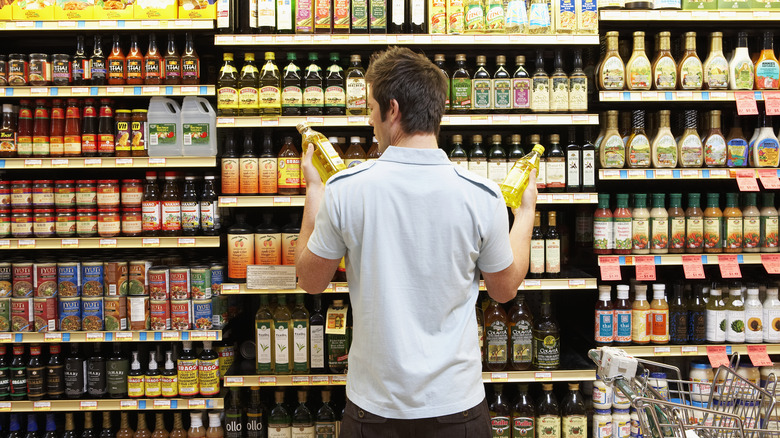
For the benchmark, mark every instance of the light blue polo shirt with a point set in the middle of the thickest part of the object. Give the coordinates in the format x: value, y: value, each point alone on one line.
x: 415, y: 230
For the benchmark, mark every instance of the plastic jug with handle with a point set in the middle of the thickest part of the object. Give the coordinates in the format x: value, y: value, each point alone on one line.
x: 198, y: 121
x: 164, y: 136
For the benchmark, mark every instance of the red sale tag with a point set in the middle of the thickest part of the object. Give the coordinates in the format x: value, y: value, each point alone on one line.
x: 769, y: 178
x: 729, y: 267
x: 610, y: 268
x: 772, y: 103
x: 771, y: 263
x: 759, y: 356
x: 717, y: 355
x: 692, y: 267
x: 645, y: 268
x: 746, y: 104
x: 746, y: 180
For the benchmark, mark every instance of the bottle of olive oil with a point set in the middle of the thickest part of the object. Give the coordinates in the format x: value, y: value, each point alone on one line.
x: 478, y: 157
x: 335, y: 94
x: 548, y: 418
x: 338, y: 336
x: 356, y: 88
x: 521, y: 87
x: 326, y: 159
x: 227, y: 84
x: 578, y: 85
x: 248, y: 99
x: 502, y: 87
x: 547, y: 338
x: 292, y: 94
x: 461, y: 87
x: 313, y: 92
x: 481, y: 88
x: 270, y: 87
x: 540, y: 91
x: 439, y: 60
x: 517, y: 180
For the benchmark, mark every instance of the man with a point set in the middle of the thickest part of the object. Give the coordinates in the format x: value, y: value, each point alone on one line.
x: 416, y: 232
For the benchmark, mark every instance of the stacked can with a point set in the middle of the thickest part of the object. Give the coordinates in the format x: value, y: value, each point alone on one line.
x: 183, y: 298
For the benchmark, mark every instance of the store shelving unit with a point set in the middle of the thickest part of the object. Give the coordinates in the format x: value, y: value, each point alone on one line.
x: 110, y: 91
x: 678, y: 96
x: 123, y: 336
x: 117, y: 242
x: 448, y: 120
x: 688, y: 174
x: 705, y: 15
x: 106, y: 163
x: 691, y: 350
x: 406, y: 40
x: 677, y: 259
x: 112, y: 405
x: 113, y: 25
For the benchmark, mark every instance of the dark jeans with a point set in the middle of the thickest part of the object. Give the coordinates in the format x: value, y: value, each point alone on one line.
x: 471, y: 423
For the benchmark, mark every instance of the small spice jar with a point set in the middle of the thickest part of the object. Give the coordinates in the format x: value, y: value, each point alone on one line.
x: 5, y: 194
x: 44, y: 222
x: 17, y: 70
x: 138, y: 133
x: 3, y: 71
x: 132, y: 222
x: 5, y: 222
x: 65, y: 193
x: 60, y: 66
x: 21, y: 222
x: 86, y: 193
x: 132, y: 193
x: 108, y: 193
x: 86, y: 222
x: 39, y: 70
x: 122, y: 133
x: 66, y: 222
x: 43, y: 193
x: 109, y: 223
x: 21, y: 193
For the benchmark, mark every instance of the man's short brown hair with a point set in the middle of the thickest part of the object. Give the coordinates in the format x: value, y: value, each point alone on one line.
x: 415, y: 82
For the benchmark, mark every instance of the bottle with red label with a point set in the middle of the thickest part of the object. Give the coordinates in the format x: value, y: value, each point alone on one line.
x: 190, y: 208
x: 89, y: 147
x: 151, y: 208
x: 499, y: 414
x: 72, y: 135
x: 134, y: 63
x: 106, y: 142
x: 171, y: 206
x: 605, y: 317
x: 57, y: 129
x: 41, y: 129
x: 24, y: 130
x: 523, y: 414
x: 153, y: 63
x: 172, y: 63
x: 289, y: 169
x: 116, y: 64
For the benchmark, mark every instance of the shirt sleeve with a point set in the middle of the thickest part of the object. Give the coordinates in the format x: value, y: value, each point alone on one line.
x: 327, y: 241
x: 495, y: 253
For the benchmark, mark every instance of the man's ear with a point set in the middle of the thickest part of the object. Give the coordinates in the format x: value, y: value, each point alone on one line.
x: 394, y: 110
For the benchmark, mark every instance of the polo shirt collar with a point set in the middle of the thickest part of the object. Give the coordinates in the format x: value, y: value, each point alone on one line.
x: 415, y: 156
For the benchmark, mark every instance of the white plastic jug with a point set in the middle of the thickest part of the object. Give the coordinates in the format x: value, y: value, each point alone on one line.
x: 198, y: 121
x: 164, y: 135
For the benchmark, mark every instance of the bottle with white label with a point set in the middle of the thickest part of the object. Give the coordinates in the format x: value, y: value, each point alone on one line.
x: 536, y: 263
x: 735, y: 317
x: 664, y: 146
x: 715, y: 152
x: 317, y: 345
x: 552, y: 247
x: 659, y: 310
x: 541, y: 176
x: 555, y: 174
x: 754, y: 317
x: 302, y: 419
x: 638, y: 152
x: 281, y: 337
x: 300, y: 339
x: 771, y: 308
x: 716, y: 317
x: 689, y: 146
x: 264, y: 322
x: 622, y: 316
x: 605, y: 317
x: 573, y: 164
x: 659, y: 225
x: 640, y: 316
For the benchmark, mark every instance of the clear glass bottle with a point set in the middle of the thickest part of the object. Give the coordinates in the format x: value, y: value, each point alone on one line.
x: 664, y: 66
x: 638, y: 150
x: 716, y: 67
x: 715, y: 150
x: 612, y: 74
x: 689, y: 147
x: 540, y: 86
x: 612, y: 149
x: 638, y: 68
x: 690, y: 70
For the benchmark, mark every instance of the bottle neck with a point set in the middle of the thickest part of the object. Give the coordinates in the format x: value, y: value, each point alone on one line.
x: 716, y: 45
x: 639, y: 43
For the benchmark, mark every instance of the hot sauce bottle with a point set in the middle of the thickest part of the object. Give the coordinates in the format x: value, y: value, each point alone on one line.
x: 116, y: 64
x: 57, y: 131
x: 134, y: 63
x: 72, y: 134
x: 41, y: 129
x: 24, y: 130
x: 106, y: 144
x: 150, y: 208
x: 172, y: 63
x: 153, y: 63
x: 89, y: 129
x: 190, y: 63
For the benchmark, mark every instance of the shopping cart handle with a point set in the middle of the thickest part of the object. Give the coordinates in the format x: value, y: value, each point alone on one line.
x: 613, y: 363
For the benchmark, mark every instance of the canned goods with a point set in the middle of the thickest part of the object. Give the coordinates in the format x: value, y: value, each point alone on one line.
x: 219, y: 311
x: 159, y: 283
x: 45, y: 280
x: 5, y: 314
x: 92, y: 313
x: 21, y: 194
x: 180, y: 283
x: 137, y: 284
x: 45, y: 314
x: 6, y: 284
x: 138, y: 313
x: 160, y: 311
x: 200, y: 279
x: 92, y: 275
x: 115, y: 311
x: 69, y: 311
x: 181, y: 314
x: 69, y: 279
x: 21, y: 314
x: 201, y: 314
x: 22, y: 280
x: 217, y: 278
x: 115, y: 281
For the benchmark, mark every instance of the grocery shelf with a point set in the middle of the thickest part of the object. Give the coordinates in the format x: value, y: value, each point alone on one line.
x: 117, y: 242
x: 116, y: 90
x: 708, y: 15
x: 124, y: 336
x: 107, y: 24
x: 676, y: 259
x: 677, y: 96
x: 105, y: 163
x: 382, y: 39
x: 528, y: 284
x: 112, y: 405
x: 330, y: 379
x: 690, y: 350
x: 299, y: 200
x: 641, y: 174
x: 447, y: 120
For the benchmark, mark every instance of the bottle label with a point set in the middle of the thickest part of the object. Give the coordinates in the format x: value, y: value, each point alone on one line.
x: 292, y: 96
x: 712, y: 230
x: 640, y: 239
x: 697, y: 327
x: 151, y: 215
x: 317, y: 346
x: 548, y: 426
x: 152, y: 67
x: 8, y: 142
x: 264, y: 343
x: 521, y: 89
x: 475, y: 17
x: 754, y: 324
x: 171, y: 215
x: 717, y: 76
x: 536, y: 265
x: 691, y: 151
x: 733, y: 237
x: 190, y: 68
x: 478, y: 167
x: 196, y: 134
x: 639, y: 73
x: 639, y: 151
x: 279, y: 432
x: 270, y: 97
x: 548, y: 351
x: 282, y: 347
x: 494, y: 19
x: 735, y: 325
x: 516, y: 15
x: 715, y: 151
x: 666, y: 151
x: 268, y: 176
x: 24, y: 145
x: 289, y: 171
x: 134, y: 68
x: 322, y: 15
x: 161, y: 134
x: 227, y: 98
x: 604, y: 326
x: 613, y: 154
x: 152, y: 386
x: 659, y: 232
x: 716, y: 325
x: 575, y: 426
x: 743, y: 74
x: 767, y: 75
x: 559, y: 94
x: 602, y: 233
x: 691, y: 73
x: 461, y: 93
x: 539, y: 16
x: 190, y: 215
x: 771, y: 324
x: 622, y: 323
x: 248, y: 97
x: 665, y: 74
x: 249, y: 175
x: 578, y: 94
x: 677, y: 233
x: 522, y: 342
x: 266, y: 13
x: 640, y: 331
x: 356, y: 93
x: 695, y: 232
x: 188, y: 377
x: 300, y: 346
x: 208, y: 377
x: 481, y: 91
x: 769, y: 231
x: 767, y: 153
x: 500, y: 426
x: 496, y: 335
x: 660, y: 329
x: 623, y: 236
x: 335, y: 97
x: 502, y: 94
x: 523, y: 427
x: 613, y: 74
x: 737, y: 150
x: 313, y: 97
x: 540, y: 94
x: 573, y: 168
x: 169, y: 386
x: 555, y: 175
x: 284, y: 15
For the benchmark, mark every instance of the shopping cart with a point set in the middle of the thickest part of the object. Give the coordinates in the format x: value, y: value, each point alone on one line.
x: 728, y: 407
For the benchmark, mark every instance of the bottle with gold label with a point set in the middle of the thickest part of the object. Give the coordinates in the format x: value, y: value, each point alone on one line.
x: 638, y: 149
x: 689, y: 147
x: 248, y: 99
x: 638, y: 68
x: 690, y: 70
x: 227, y: 94
x: 715, y: 149
x: 575, y: 416
x: 292, y: 93
x: 559, y: 86
x: 460, y: 91
x: 664, y: 66
x: 326, y: 159
x: 521, y: 87
x: 270, y: 87
x: 612, y: 73
x: 481, y: 88
x: 356, y: 88
x: 716, y: 67
x: 578, y: 85
x: 612, y: 150
x: 540, y: 91
x: 664, y: 146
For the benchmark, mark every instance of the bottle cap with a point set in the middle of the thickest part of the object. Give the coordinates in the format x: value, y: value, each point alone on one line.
x: 500, y: 60
x: 476, y: 139
x: 496, y: 138
x: 460, y: 57
x: 354, y: 139
x: 438, y: 57
x: 481, y: 59
x: 457, y: 138
x: 519, y: 59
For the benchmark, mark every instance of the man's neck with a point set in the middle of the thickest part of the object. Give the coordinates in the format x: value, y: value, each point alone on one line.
x: 417, y: 141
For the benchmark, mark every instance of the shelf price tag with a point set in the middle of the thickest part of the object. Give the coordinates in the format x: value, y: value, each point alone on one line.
x: 338, y: 380
x: 341, y: 287
x: 33, y: 163
x: 5, y: 406
x: 645, y: 268
x: 88, y: 405
x: 128, y: 405
x: 759, y: 356
x: 610, y: 268
x: 300, y: 381
x: 662, y: 351
x: 746, y: 180
x: 156, y: 161
x: 692, y: 267
x: 772, y: 103
x: 123, y: 336
x: 69, y: 243
x: 162, y: 404
x: 60, y: 162
x: 729, y: 267
x: 771, y: 263
x: 170, y: 336
x: 532, y: 284
x: 150, y: 242
x: 5, y: 243
x: 6, y: 337
x: 196, y: 404
x: 96, y: 336
x: 93, y: 162
x: 107, y: 243
x: 234, y: 381
x: 124, y: 162
x: 186, y: 242
x: 41, y: 406
x: 576, y: 283
x: 769, y: 178
x: 717, y: 355
x: 689, y: 351
x: 690, y: 173
x: 228, y: 202
x: 26, y: 243
x: 52, y: 337
x: 319, y: 380
x: 746, y: 103
x: 282, y: 201
x: 266, y: 381
x: 543, y: 376
x: 230, y: 287
x: 499, y: 377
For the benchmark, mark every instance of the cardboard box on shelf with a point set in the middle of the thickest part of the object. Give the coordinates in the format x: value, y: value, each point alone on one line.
x: 114, y: 10
x: 734, y: 5
x: 198, y: 9
x: 74, y: 9
x: 156, y: 10
x: 764, y: 5
x: 693, y: 5
x: 35, y: 10
x: 6, y: 10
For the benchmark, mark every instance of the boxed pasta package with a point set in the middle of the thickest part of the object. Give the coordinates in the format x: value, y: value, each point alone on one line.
x: 114, y: 9
x: 74, y: 9
x: 197, y: 9
x: 156, y: 10
x: 37, y: 10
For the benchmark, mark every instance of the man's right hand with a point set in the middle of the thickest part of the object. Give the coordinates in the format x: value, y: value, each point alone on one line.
x: 307, y: 166
x: 528, y: 203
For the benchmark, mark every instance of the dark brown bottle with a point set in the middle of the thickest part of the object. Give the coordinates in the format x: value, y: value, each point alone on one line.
x: 105, y: 133
x: 55, y: 374
x: 292, y: 94
x: 97, y: 63
x: 88, y: 430
x: 496, y: 337
x: 523, y: 414
x: 18, y: 374
x: 96, y: 373
x: 153, y: 69
x: 171, y: 206
x: 107, y: 431
x: 75, y: 370
x: 499, y: 413
x: 36, y: 374
x: 89, y: 130
x: 335, y: 89
x: 313, y: 92
x: 190, y: 63
x: 5, y: 374
x: 172, y: 63
x: 151, y: 207
x: 289, y: 169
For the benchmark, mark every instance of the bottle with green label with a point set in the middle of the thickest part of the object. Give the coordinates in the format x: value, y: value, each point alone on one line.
x: 502, y: 87
x: 292, y: 94
x: 313, y: 92
x: 356, y: 88
x: 547, y: 338
x: 481, y: 88
x: 575, y: 417
x: 460, y: 95
x: 283, y: 358
x: 499, y: 414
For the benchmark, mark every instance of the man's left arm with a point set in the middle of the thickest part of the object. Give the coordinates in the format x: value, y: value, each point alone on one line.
x: 314, y: 272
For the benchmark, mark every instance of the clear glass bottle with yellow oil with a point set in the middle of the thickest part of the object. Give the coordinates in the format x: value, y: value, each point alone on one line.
x: 326, y: 159
x: 517, y: 180
x: 270, y: 87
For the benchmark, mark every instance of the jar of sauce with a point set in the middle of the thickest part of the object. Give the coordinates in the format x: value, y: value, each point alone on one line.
x: 3, y: 71
x: 39, y: 70
x: 5, y: 194
x: 86, y: 193
x: 65, y: 193
x: 44, y: 222
x: 60, y: 70
x: 21, y: 193
x: 43, y: 193
x: 86, y: 222
x: 5, y: 223
x: 132, y: 193
x: 108, y: 194
x: 17, y: 70
x: 702, y: 377
x: 123, y: 133
x: 65, y: 222
x: 132, y: 222
x: 109, y: 222
x: 21, y: 222
x: 138, y: 133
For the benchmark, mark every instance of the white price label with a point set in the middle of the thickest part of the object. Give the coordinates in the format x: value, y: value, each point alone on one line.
x: 39, y: 91
x: 96, y: 336
x: 33, y: 163
x: 150, y: 242
x: 662, y: 351
x: 499, y: 377
x: 157, y: 161
x: 88, y: 405
x: 107, y: 243
x: 162, y: 404
x: 128, y: 404
x: 576, y: 283
x: 150, y: 90
x: 93, y: 162
x: 52, y: 337
x: 529, y: 284
x: 124, y: 162
x: 76, y: 91
x: 234, y: 381
x: 543, y: 376
x: 230, y: 287
x: 115, y: 90
x: 60, y: 162
x: 186, y: 242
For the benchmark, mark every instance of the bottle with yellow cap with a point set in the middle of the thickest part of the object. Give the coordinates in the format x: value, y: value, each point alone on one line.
x: 517, y: 180
x: 326, y: 159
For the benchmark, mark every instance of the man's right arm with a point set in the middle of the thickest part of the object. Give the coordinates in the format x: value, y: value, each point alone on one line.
x: 502, y: 285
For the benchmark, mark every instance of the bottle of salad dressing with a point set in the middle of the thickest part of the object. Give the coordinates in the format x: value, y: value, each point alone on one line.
x: 664, y: 66
x: 664, y: 147
x: 638, y: 68
x: 612, y: 151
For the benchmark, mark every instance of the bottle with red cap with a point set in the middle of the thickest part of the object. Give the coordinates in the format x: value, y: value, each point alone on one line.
x: 171, y: 206
x: 106, y: 145
x: 150, y: 208
x: 89, y: 146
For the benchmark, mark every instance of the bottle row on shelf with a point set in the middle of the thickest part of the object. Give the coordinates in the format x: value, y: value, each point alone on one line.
x: 153, y: 68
